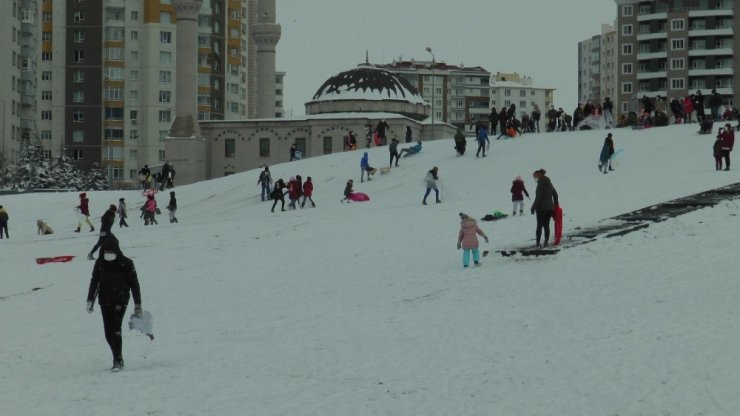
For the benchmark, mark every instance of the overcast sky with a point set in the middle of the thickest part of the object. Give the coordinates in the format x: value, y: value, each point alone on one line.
x: 538, y: 38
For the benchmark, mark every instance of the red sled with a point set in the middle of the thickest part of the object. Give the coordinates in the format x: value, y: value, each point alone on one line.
x: 58, y: 259
x: 376, y: 138
x: 359, y: 197
x: 557, y: 216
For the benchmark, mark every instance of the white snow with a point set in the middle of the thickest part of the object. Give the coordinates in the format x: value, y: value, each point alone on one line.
x: 364, y: 308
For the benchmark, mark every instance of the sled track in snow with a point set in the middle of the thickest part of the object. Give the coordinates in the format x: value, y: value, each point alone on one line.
x: 640, y: 219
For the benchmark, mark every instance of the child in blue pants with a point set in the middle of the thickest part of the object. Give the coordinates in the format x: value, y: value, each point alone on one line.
x: 467, y: 239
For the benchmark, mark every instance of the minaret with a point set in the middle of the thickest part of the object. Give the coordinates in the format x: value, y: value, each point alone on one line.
x: 266, y: 34
x: 184, y: 146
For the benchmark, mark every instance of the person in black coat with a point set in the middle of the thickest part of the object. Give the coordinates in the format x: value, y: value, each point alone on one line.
x: 647, y: 104
x: 106, y: 223
x: 292, y: 152
x: 113, y: 280
x: 493, y: 120
x: 277, y: 195
x: 698, y: 100
x: 172, y: 207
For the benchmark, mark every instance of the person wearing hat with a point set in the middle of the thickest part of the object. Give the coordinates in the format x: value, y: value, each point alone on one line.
x: 172, y: 207
x: 518, y: 190
x: 122, y: 213
x: 113, y: 281
x: 84, y: 209
x: 106, y: 223
x: 545, y: 199
x: 467, y: 239
x: 431, y: 181
x: 3, y: 222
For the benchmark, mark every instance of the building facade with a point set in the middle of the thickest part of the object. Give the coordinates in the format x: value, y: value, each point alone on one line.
x: 597, y: 77
x: 458, y: 95
x: 96, y: 79
x: 512, y: 88
x: 671, y: 49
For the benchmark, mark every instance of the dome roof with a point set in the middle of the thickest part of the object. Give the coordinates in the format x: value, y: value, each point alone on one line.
x: 368, y: 83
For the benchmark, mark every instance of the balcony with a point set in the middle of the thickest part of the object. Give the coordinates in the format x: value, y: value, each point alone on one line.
x: 650, y: 36
x: 711, y: 52
x: 727, y: 11
x: 724, y: 31
x: 705, y: 72
x: 652, y: 16
x: 651, y: 55
x: 651, y: 75
x: 28, y: 124
x: 27, y: 99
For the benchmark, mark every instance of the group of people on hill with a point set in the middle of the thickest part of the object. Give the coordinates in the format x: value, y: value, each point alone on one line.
x: 165, y: 179
x: 294, y: 189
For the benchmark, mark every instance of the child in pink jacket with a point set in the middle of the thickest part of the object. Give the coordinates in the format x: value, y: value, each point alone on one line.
x: 467, y: 239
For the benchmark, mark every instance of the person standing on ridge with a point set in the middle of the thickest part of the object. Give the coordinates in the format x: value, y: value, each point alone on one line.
x: 265, y: 180
x: 545, y: 199
x: 84, y: 209
x: 172, y: 207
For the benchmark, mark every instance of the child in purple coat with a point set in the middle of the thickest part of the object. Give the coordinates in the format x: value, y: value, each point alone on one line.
x: 517, y: 194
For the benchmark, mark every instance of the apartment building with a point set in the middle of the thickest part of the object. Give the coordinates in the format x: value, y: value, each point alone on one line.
x: 513, y: 88
x: 95, y: 79
x: 674, y: 48
x: 597, y: 66
x: 459, y: 95
x: 18, y: 69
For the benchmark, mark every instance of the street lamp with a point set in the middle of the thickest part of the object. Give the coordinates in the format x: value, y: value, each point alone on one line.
x: 433, y: 64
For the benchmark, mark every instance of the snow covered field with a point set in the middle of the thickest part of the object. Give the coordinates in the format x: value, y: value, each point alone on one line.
x: 364, y: 308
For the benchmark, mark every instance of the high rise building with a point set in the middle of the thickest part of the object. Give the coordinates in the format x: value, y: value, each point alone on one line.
x: 459, y: 95
x: 670, y: 49
x: 597, y: 74
x: 95, y: 79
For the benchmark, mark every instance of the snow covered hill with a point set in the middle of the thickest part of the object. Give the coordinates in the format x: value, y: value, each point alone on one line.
x: 364, y: 308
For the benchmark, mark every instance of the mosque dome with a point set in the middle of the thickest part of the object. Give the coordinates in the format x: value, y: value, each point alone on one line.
x: 368, y: 89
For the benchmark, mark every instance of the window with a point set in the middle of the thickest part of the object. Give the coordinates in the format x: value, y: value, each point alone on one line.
x: 45, y: 16
x: 164, y: 116
x: 678, y: 63
x: 44, y: 35
x: 626, y: 87
x: 229, y: 148
x: 626, y: 68
x: 79, y: 56
x: 522, y: 93
x: 114, y: 54
x: 161, y: 155
x: 78, y: 136
x: 163, y: 134
x: 165, y: 57
x: 165, y: 17
x: 114, y: 33
x: 78, y: 96
x: 78, y: 76
x: 134, y: 95
x: 264, y: 147
x: 134, y: 75
x: 46, y: 115
x: 677, y: 83
x: 133, y: 134
x: 627, y: 11
x: 46, y: 95
x: 134, y: 35
x: 522, y: 104
x: 46, y: 75
x: 78, y: 36
x: 46, y: 56
x: 114, y: 134
x: 327, y: 145
x: 677, y: 24
x: 78, y: 16
x: 113, y: 94
x: 77, y: 153
x: 677, y: 44
x: 507, y: 93
x: 165, y: 37
x: 133, y: 115
x: 45, y: 134
x: 627, y: 49
x: 113, y: 73
x: 626, y: 30
x: 134, y: 56
x: 233, y: 107
x: 78, y: 117
x: 165, y: 77
x: 133, y: 154
x: 134, y: 15
x: 112, y: 113
x: 164, y: 96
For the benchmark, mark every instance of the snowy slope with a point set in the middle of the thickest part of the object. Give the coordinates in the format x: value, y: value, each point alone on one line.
x: 364, y: 308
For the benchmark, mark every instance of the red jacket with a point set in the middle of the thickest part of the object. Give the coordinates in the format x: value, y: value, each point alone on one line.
x: 728, y: 139
x: 308, y: 189
x: 518, y: 190
x: 294, y: 190
x: 84, y: 208
x: 688, y: 105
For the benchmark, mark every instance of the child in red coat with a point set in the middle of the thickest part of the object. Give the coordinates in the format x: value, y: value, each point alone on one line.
x: 307, y: 192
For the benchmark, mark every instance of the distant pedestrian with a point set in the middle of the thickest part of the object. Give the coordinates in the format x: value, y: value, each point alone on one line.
x: 3, y: 222
x: 482, y: 141
x: 347, y: 191
x: 172, y: 207
x: 460, y: 142
x: 365, y: 168
x: 150, y: 210
x: 84, y: 211
x: 393, y: 150
x: 265, y: 181
x: 409, y: 135
x: 728, y: 142
x: 122, y: 215
x: 607, y: 152
x: 380, y: 130
x: 277, y: 195
x: 467, y: 239
x: 717, y: 150
x: 518, y: 190
x: 545, y: 199
x: 292, y: 152
x: 431, y: 183
x: 308, y: 192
